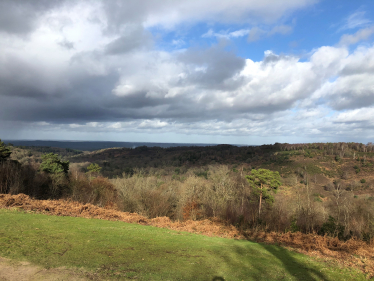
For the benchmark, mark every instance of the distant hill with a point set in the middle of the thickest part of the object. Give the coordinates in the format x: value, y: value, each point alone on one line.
x: 96, y: 145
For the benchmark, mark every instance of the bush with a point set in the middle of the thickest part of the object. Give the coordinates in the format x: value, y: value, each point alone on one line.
x: 363, y: 181
x: 147, y: 195
x: 332, y: 228
x: 99, y: 191
x: 293, y: 226
x: 203, y: 174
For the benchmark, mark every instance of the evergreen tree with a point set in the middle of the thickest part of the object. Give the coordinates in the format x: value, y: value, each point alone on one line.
x: 4, y: 152
x: 263, y: 183
x: 52, y: 164
x: 94, y: 168
x: 57, y: 170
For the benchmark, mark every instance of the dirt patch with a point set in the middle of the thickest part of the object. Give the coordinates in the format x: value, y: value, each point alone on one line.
x: 15, y: 271
x: 353, y: 252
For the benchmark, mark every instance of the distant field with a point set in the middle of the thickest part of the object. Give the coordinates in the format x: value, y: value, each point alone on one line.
x: 117, y: 250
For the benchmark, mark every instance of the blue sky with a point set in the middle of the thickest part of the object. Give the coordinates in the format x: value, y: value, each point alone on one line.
x: 321, y: 24
x: 246, y: 72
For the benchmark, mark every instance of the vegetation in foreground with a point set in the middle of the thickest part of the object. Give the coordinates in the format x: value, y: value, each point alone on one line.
x: 118, y: 250
x: 322, y: 188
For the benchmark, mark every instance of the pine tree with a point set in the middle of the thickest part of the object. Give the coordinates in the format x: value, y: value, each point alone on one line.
x: 52, y: 164
x: 4, y: 152
x: 263, y: 182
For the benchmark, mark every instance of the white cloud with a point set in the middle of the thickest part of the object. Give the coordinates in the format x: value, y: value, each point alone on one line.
x: 257, y: 33
x: 75, y: 126
x: 152, y: 124
x: 239, y: 33
x: 226, y: 34
x: 116, y: 125
x: 362, y: 34
x: 352, y: 87
x: 171, y: 13
x: 137, y: 88
x: 355, y: 20
x: 356, y: 116
x: 178, y: 43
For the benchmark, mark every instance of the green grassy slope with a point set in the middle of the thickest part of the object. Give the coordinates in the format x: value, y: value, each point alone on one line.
x: 120, y: 250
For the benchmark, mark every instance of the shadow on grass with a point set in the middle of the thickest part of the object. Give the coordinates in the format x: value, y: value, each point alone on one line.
x: 299, y: 270
x: 257, y: 261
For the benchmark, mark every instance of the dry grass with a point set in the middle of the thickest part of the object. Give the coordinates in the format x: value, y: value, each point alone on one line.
x: 75, y: 209
x: 353, y: 252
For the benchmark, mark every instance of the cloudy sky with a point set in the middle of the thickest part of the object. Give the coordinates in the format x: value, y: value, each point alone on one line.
x: 206, y: 71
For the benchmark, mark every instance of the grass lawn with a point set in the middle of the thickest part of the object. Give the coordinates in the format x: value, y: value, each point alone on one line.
x: 118, y: 250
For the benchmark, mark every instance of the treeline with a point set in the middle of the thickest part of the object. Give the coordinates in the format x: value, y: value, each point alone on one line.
x: 115, y: 162
x: 339, y: 146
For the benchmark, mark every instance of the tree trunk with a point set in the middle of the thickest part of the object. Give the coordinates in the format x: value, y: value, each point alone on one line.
x: 259, y: 206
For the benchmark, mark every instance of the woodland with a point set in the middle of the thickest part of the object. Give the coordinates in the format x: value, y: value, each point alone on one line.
x: 321, y: 188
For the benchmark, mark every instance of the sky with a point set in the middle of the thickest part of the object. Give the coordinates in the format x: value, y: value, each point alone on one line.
x: 238, y: 71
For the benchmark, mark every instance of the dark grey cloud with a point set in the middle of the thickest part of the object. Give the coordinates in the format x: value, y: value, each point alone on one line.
x: 66, y: 44
x: 120, y: 13
x: 170, y: 13
x: 212, y: 68
x: 352, y: 99
x: 135, y: 39
x: 202, y: 74
x: 136, y: 100
x: 21, y: 16
x: 353, y: 88
x: 359, y: 68
x: 270, y: 57
x: 81, y: 102
x: 21, y: 78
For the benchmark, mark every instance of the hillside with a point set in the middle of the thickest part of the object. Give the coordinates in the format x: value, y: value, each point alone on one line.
x: 323, y: 206
x: 326, y: 187
x: 99, y: 249
x: 349, y: 167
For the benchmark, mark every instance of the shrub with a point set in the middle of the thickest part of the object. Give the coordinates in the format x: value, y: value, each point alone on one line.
x: 192, y: 211
x: 103, y: 192
x: 293, y: 226
x: 147, y: 195
x: 332, y: 228
x: 203, y: 174
x: 99, y: 191
x: 362, y: 180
